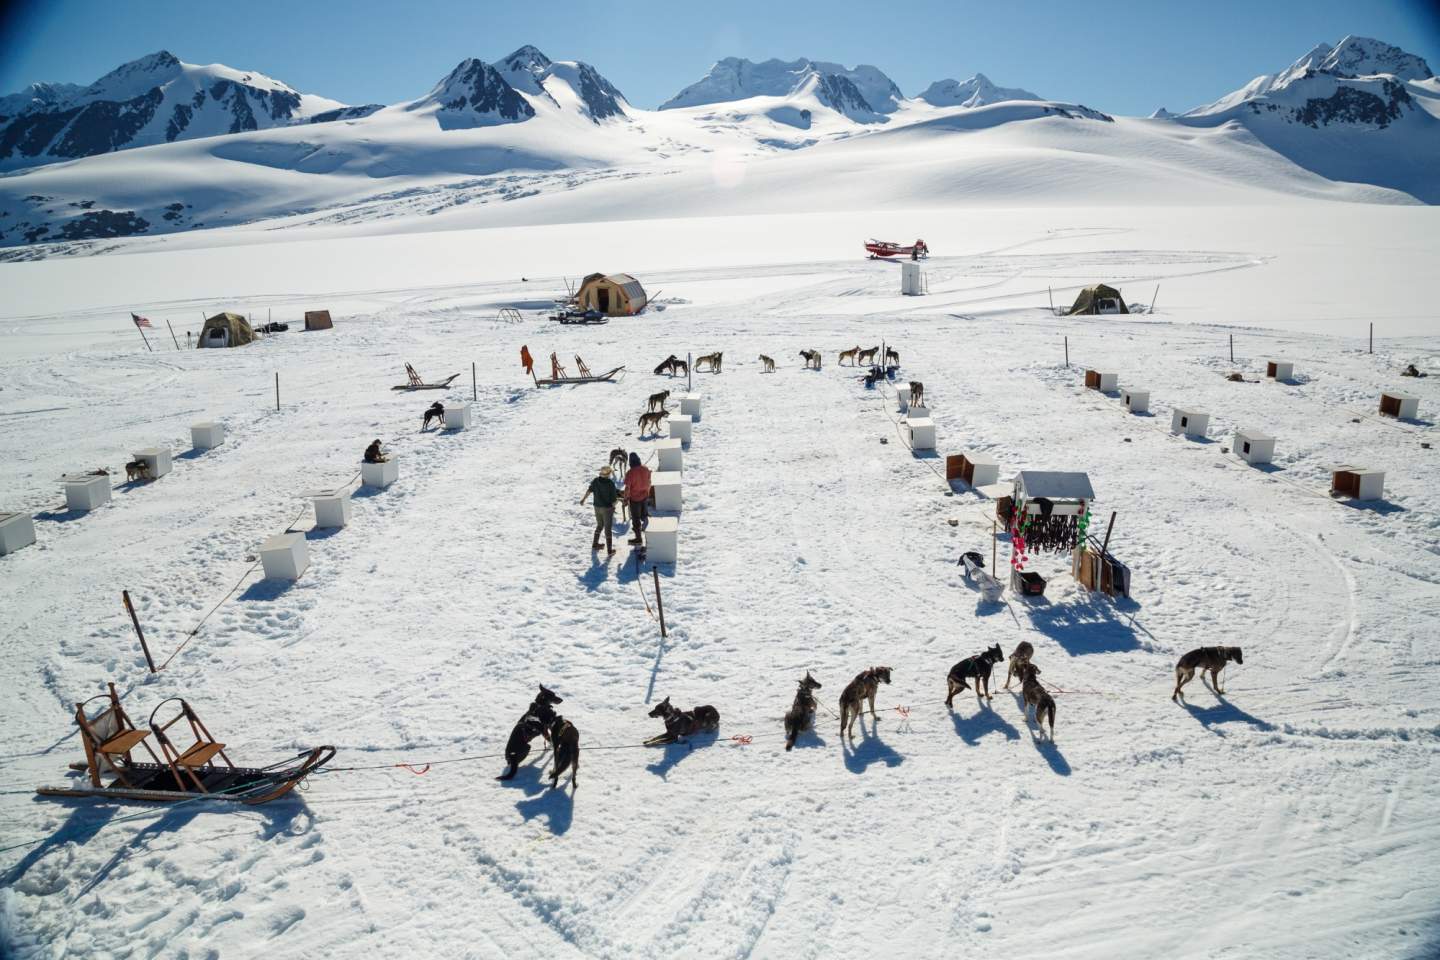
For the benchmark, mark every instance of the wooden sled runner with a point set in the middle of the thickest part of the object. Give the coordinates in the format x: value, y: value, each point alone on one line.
x: 418, y: 383
x: 189, y: 770
x: 607, y: 377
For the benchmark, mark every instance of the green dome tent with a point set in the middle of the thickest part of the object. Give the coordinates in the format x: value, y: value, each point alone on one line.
x: 1098, y: 299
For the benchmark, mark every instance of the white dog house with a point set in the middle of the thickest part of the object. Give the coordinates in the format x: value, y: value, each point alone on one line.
x: 1280, y: 370
x: 662, y: 538
x: 978, y: 469
x: 1192, y: 423
x: 380, y: 475
x: 16, y: 530
x: 1254, y: 447
x: 669, y: 455
x: 457, y: 416
x: 1401, y: 406
x: 157, y: 461
x: 1136, y: 401
x: 87, y: 492
x: 285, y: 556
x: 690, y: 405
x: 332, y: 509
x: 922, y: 433
x: 912, y: 281
x: 666, y: 484
x: 1357, y: 483
x: 680, y: 428
x: 1104, y: 382
x: 207, y: 436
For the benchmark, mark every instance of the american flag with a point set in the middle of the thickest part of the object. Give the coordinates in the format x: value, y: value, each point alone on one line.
x: 140, y: 321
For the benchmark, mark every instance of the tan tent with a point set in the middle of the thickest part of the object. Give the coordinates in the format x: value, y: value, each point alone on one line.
x: 615, y: 294
x: 226, y: 330
x: 318, y: 320
x: 1098, y: 299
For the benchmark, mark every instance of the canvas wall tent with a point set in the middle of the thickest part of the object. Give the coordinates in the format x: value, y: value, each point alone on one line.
x: 615, y: 294
x: 1098, y: 299
x: 226, y: 330
x: 318, y: 320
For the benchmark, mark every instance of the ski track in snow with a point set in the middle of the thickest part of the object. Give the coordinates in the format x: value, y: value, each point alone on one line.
x: 1293, y: 809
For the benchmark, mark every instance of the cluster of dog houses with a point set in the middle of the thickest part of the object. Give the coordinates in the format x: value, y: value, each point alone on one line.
x: 662, y: 531
x: 1256, y: 447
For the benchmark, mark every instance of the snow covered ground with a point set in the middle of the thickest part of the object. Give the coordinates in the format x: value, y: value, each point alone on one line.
x: 1287, y: 820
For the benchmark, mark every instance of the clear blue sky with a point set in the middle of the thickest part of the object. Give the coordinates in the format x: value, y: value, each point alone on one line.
x: 1124, y: 56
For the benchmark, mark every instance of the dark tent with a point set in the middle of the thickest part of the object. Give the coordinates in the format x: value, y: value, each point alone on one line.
x: 1098, y: 299
x: 318, y: 320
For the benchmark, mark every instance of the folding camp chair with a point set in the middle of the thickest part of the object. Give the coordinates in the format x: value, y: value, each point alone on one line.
x: 110, y: 737
x: 584, y: 370
x: 195, y: 759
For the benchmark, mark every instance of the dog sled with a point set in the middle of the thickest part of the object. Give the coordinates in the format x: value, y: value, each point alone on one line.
x: 560, y: 376
x: 584, y: 317
x: 416, y: 382
x: 191, y: 765
x: 991, y: 588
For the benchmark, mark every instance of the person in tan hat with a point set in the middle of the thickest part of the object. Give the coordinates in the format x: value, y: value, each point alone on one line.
x: 606, y: 493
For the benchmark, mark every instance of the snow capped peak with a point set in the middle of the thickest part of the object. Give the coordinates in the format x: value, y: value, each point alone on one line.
x: 1162, y: 114
x: 1353, y: 57
x: 978, y: 91
x: 38, y: 96
x: 525, y: 69
x: 136, y: 77
x: 1363, y: 57
x: 474, y: 94
x: 860, y: 93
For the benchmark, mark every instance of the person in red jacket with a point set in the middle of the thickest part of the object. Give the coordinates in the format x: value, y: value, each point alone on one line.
x: 637, y: 496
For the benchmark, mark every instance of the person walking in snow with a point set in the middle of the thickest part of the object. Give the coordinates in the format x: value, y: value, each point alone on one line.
x: 637, y: 496
x: 603, y: 489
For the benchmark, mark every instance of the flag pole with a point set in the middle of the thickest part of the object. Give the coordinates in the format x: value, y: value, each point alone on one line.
x: 142, y: 333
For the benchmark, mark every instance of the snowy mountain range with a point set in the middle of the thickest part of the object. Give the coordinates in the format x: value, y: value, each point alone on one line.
x: 215, y: 146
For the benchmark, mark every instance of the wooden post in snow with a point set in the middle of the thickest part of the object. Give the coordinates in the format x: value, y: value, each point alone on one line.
x: 130, y: 609
x: 1155, y: 296
x: 1372, y: 336
x: 1067, y: 352
x: 994, y: 541
x: 659, y: 604
x: 277, y: 391
x: 1232, y: 348
x: 474, y: 390
x: 1108, y: 527
x: 172, y: 335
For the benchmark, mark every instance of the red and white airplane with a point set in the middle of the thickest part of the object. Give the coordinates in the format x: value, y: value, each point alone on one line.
x: 884, y: 248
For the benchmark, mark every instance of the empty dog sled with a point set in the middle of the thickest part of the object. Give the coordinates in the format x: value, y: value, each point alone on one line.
x: 416, y: 382
x: 193, y: 767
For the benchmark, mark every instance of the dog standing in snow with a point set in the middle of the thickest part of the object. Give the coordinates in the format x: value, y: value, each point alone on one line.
x: 1037, y: 699
x: 536, y: 722
x: 801, y: 715
x: 766, y: 364
x: 1209, y: 660
x: 975, y: 668
x: 650, y: 422
x: 856, y: 692
x: 436, y: 412
x: 566, y: 740
x: 1023, y: 652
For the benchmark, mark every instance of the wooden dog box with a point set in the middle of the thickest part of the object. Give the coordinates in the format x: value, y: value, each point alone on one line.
x: 457, y: 416
x: 16, y: 530
x: 157, y: 461
x: 332, y: 510
x: 1401, y: 406
x: 662, y: 537
x: 680, y: 428
x: 1280, y: 370
x: 1104, y: 382
x: 1358, y: 483
x: 380, y: 475
x: 690, y: 405
x: 666, y: 486
x: 1137, y: 401
x: 207, y: 436
x: 669, y: 455
x: 1254, y: 447
x: 285, y: 556
x: 87, y: 492
x: 1192, y: 423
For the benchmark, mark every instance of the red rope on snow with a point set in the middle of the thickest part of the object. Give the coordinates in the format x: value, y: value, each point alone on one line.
x: 411, y: 767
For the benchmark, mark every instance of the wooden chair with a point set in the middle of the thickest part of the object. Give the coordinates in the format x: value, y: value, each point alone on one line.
x: 110, y: 737
x: 195, y: 759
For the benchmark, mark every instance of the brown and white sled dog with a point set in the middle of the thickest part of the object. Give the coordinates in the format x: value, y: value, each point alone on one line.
x: 680, y: 724
x: 710, y: 361
x: 566, y: 740
x: 657, y: 400
x: 1023, y: 652
x: 1209, y: 660
x: 766, y: 364
x: 650, y: 422
x: 848, y: 355
x: 867, y: 357
x: 917, y: 393
x: 1037, y: 699
x: 856, y: 692
x: 137, y: 470
x: 811, y: 358
x: 801, y: 715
